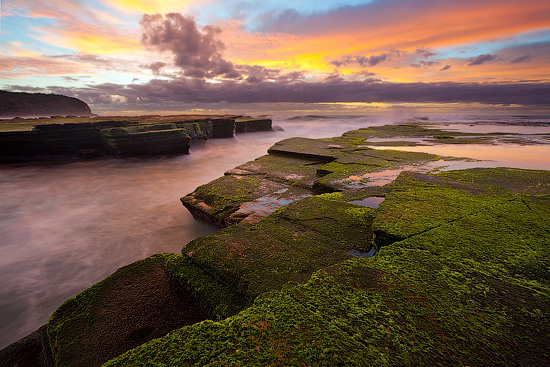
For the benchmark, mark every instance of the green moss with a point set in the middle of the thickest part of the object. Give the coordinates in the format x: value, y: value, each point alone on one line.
x: 212, y: 291
x: 406, y: 307
x: 422, y: 202
x: 226, y: 193
x: 72, y: 321
x: 286, y: 246
x: 520, y: 181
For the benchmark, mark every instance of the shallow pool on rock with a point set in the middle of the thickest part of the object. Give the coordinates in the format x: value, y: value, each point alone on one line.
x: 371, y: 201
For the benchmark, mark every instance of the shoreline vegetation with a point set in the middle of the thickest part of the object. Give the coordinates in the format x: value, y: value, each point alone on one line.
x: 458, y: 273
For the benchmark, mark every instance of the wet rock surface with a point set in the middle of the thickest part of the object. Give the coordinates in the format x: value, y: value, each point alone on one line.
x: 461, y: 280
x: 131, y: 136
x: 459, y: 272
x: 138, y: 303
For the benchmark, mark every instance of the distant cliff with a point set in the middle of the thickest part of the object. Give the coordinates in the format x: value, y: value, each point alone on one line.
x: 37, y: 104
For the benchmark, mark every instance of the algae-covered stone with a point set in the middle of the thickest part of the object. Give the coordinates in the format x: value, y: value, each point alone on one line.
x: 223, y: 128
x: 405, y: 307
x: 253, y: 190
x: 294, y: 168
x: 139, y: 302
x: 32, y: 351
x: 146, y: 139
x: 249, y: 124
x: 288, y: 245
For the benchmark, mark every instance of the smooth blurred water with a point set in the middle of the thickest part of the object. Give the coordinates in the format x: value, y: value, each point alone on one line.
x: 64, y: 227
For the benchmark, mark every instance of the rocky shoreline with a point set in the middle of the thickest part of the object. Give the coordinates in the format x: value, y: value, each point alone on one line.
x: 120, y: 136
x: 459, y: 274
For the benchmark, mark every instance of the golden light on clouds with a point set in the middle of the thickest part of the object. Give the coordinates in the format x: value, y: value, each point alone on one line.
x: 151, y: 6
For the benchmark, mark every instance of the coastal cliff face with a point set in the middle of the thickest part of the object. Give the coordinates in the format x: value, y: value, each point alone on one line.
x: 37, y: 104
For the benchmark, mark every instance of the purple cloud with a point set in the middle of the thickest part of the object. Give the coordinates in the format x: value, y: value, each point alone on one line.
x: 198, y: 54
x: 481, y: 59
x: 363, y: 60
x: 425, y: 53
x: 521, y: 59
x: 333, y: 89
x: 446, y: 67
x: 155, y: 67
x: 424, y: 64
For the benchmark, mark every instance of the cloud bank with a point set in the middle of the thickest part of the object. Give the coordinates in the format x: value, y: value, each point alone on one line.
x: 187, y: 90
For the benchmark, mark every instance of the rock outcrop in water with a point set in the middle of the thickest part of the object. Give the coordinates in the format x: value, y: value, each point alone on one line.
x: 14, y: 104
x: 460, y: 275
x: 120, y: 136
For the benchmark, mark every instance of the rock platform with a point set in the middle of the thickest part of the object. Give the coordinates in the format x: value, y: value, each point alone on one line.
x: 448, y: 268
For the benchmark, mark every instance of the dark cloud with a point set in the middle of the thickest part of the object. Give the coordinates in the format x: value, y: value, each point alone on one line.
x: 70, y: 78
x: 365, y: 73
x: 257, y: 73
x: 363, y: 60
x: 446, y: 67
x: 91, y: 95
x: 519, y: 59
x: 26, y: 88
x: 197, y: 53
x: 155, y: 67
x: 335, y: 77
x: 290, y: 77
x: 425, y: 53
x: 372, y: 60
x: 481, y: 59
x: 334, y: 89
x: 424, y: 64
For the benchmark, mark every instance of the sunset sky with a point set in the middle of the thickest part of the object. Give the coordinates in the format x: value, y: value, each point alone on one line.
x: 341, y: 55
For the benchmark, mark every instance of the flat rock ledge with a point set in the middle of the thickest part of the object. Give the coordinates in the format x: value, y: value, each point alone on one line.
x: 459, y: 274
x: 98, y: 136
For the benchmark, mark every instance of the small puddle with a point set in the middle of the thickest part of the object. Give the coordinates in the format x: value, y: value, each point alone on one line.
x: 356, y: 253
x: 268, y: 204
x: 371, y: 201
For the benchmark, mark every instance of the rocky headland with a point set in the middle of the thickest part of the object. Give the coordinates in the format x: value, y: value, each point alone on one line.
x: 13, y: 104
x: 332, y: 253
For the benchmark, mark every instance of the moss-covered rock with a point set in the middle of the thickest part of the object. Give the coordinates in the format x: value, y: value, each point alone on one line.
x: 289, y: 245
x: 405, y: 307
x: 464, y: 281
x: 253, y: 190
x: 461, y: 275
x: 249, y: 124
x: 139, y: 302
x: 145, y: 139
x: 31, y: 351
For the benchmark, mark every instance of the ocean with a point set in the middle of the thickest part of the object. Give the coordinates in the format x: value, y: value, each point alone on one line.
x: 67, y: 225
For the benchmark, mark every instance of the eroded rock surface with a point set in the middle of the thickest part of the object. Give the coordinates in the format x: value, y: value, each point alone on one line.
x: 459, y: 276
x: 463, y: 282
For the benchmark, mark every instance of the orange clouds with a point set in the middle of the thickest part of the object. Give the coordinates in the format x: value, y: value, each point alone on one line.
x: 25, y: 66
x: 313, y: 43
x: 150, y: 6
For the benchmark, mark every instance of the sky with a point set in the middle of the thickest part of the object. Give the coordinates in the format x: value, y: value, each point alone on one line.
x: 339, y: 56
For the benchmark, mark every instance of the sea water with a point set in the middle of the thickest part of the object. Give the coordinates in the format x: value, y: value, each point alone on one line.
x: 65, y: 226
